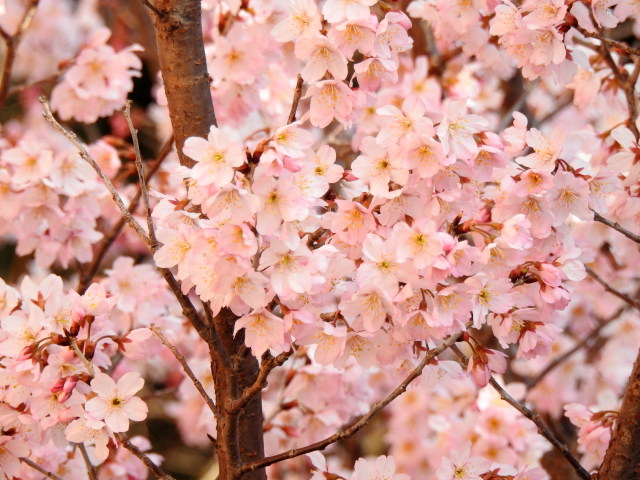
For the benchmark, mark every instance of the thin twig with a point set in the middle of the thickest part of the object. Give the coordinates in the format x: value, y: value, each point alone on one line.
x: 613, y: 291
x: 37, y: 467
x: 614, y: 43
x: 358, y: 424
x: 616, y: 226
x: 187, y: 370
x: 88, y: 365
x: 140, y: 169
x: 90, y: 272
x: 91, y: 470
x: 157, y: 471
x: 12, y: 42
x: 261, y: 381
x: 578, y: 346
x: 89, y: 159
x: 297, y: 94
x: 534, y: 417
x: 207, y: 334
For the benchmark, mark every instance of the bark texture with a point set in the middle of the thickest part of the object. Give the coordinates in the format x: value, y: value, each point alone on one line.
x: 187, y: 85
x: 184, y: 69
x: 240, y: 434
x: 622, y: 460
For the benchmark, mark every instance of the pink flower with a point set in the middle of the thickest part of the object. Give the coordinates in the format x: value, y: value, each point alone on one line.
x: 491, y: 295
x: 378, y: 167
x: 281, y: 200
x: 292, y: 141
x: 404, y: 124
x: 356, y: 35
x: 353, y: 221
x: 336, y: 11
x: 330, y: 99
x: 457, y: 129
x: 217, y: 157
x: 483, y: 362
x: 303, y: 20
x: 11, y: 450
x: 263, y: 331
x: 547, y: 13
x: 372, y: 72
x: 603, y: 14
x: 320, y: 56
x: 460, y: 465
x: 419, y: 242
x: 369, y: 308
x: 31, y: 162
x: 90, y: 432
x: 115, y: 403
x: 382, y: 468
x: 545, y: 151
x: 569, y: 195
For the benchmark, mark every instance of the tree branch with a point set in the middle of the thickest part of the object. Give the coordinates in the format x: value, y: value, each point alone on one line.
x: 37, y: 467
x: 109, y: 238
x: 178, y: 25
x: 614, y: 43
x: 613, y: 291
x: 89, y: 159
x: 140, y: 169
x: 187, y: 370
x: 157, y: 471
x: 622, y: 460
x: 12, y: 42
x: 358, y: 424
x: 534, y: 417
x: 578, y: 346
x: 616, y: 226
x: 261, y: 382
x: 91, y: 470
x: 297, y: 94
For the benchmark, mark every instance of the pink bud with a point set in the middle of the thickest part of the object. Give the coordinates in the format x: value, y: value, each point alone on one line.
x: 58, y: 386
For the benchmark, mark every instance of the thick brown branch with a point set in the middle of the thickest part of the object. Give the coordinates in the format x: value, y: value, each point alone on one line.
x: 616, y: 226
x: 261, y: 382
x: 187, y: 371
x: 184, y: 70
x: 535, y: 418
x: 613, y: 291
x: 358, y: 424
x: 12, y: 42
x: 155, y: 469
x: 622, y: 460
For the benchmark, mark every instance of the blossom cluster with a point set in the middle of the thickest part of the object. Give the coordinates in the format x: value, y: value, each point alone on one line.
x: 399, y: 203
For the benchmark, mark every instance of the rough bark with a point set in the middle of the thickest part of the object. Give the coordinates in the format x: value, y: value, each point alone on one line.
x: 622, y: 460
x: 184, y: 69
x: 187, y: 85
x: 240, y: 434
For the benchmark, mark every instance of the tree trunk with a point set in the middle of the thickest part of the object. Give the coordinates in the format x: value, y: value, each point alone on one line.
x: 187, y: 85
x: 178, y: 25
x: 239, y: 434
x: 622, y: 460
